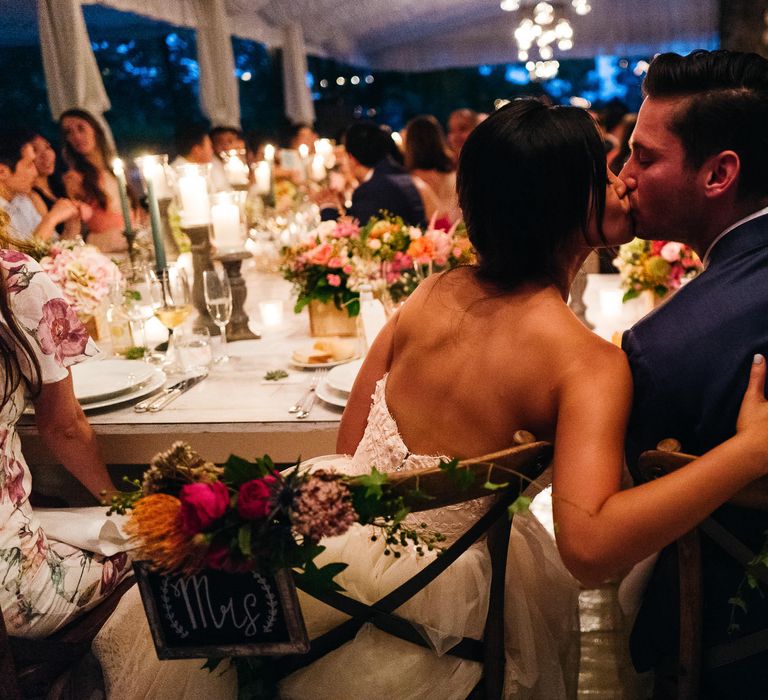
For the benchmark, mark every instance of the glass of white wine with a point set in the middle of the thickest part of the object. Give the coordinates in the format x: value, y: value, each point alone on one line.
x: 171, y: 303
x: 218, y: 301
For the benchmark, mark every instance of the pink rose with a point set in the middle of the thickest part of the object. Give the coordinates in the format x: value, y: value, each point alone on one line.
x: 335, y: 261
x: 201, y: 505
x: 254, y: 500
x: 216, y: 556
x: 322, y: 254
x: 347, y: 269
x: 671, y: 251
x: 60, y: 332
x: 333, y: 280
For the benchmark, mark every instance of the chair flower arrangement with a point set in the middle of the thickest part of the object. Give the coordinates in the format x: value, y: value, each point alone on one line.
x: 336, y: 258
x: 659, y: 267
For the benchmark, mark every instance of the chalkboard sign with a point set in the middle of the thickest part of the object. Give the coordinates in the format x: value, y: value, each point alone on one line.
x: 214, y: 614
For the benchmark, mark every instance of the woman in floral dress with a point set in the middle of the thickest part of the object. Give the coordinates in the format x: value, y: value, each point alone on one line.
x: 44, y: 584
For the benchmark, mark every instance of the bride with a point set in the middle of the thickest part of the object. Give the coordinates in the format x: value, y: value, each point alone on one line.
x: 476, y: 354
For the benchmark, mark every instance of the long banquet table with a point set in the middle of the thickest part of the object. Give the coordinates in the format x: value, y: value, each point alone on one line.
x: 233, y: 411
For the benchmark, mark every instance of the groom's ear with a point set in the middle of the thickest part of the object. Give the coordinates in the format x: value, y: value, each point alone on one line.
x: 721, y: 174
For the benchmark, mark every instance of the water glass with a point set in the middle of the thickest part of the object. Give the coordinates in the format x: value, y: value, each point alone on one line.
x: 218, y: 302
x: 194, y: 351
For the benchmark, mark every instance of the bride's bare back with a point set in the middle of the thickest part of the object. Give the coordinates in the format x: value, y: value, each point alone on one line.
x: 469, y: 366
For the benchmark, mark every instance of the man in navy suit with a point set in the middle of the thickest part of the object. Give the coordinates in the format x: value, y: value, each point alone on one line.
x: 698, y: 174
x: 384, y: 185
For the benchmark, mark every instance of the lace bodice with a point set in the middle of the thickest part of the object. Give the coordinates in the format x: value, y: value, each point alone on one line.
x: 383, y: 447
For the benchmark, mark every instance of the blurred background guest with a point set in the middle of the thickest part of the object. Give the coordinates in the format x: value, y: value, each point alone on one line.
x: 384, y: 185
x: 193, y: 145
x: 300, y: 135
x: 460, y: 125
x: 430, y: 163
x: 89, y: 156
x: 223, y: 138
x: 17, y: 177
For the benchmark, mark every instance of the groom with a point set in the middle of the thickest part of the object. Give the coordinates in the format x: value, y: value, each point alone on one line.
x: 698, y: 174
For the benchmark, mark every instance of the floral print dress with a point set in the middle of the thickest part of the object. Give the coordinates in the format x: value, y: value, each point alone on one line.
x: 43, y: 583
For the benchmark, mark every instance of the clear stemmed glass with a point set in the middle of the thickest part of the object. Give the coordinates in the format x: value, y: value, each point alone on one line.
x: 171, y: 303
x: 138, y: 303
x: 218, y: 301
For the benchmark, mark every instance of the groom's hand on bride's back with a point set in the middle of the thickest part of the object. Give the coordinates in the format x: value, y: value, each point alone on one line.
x: 754, y: 406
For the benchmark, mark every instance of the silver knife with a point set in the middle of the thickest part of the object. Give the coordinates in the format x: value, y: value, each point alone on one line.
x: 161, y: 400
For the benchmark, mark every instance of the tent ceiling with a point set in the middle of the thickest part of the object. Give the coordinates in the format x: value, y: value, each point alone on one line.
x: 417, y: 34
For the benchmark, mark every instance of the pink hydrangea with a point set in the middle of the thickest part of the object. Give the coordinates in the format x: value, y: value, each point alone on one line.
x: 60, y: 332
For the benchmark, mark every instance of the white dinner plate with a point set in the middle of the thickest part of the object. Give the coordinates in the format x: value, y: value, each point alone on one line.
x: 319, y: 365
x: 104, y: 379
x: 156, y: 381
x: 343, y: 377
x: 330, y: 395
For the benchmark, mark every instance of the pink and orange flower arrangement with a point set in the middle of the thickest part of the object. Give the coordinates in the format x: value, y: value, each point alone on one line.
x: 658, y: 266
x: 83, y: 274
x: 188, y: 514
x: 338, y: 257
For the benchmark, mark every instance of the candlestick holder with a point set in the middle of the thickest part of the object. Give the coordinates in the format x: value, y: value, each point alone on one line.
x: 200, y: 239
x: 171, y: 245
x: 237, y: 328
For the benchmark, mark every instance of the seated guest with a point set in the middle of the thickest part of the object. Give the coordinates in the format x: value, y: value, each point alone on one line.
x: 384, y: 185
x: 430, y: 163
x: 223, y: 138
x: 460, y: 125
x: 17, y: 176
x: 45, y: 584
x: 89, y: 156
x: 193, y: 145
x: 301, y: 135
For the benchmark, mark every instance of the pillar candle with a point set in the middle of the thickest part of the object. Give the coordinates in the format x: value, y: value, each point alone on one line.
x: 227, y: 232
x: 317, y: 168
x: 193, y: 196
x: 262, y: 176
x: 236, y: 170
x: 122, y: 187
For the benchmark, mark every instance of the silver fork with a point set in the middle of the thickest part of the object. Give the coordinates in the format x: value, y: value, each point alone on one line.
x: 309, y: 402
x: 296, y: 408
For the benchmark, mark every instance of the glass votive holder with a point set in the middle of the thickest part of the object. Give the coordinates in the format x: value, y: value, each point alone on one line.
x: 194, y: 351
x: 271, y: 311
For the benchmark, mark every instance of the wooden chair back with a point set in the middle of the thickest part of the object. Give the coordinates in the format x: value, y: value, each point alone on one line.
x: 29, y: 667
x: 511, y: 470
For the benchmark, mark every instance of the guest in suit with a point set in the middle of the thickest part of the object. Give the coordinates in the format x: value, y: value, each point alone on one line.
x: 384, y: 185
x: 698, y: 173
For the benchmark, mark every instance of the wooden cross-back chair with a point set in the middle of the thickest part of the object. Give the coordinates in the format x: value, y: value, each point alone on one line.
x: 686, y: 681
x: 29, y: 667
x: 529, y: 458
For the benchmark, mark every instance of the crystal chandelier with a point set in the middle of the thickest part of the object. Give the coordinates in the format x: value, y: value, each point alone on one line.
x: 537, y: 33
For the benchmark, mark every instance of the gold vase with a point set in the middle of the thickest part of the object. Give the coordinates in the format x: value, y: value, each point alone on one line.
x: 326, y: 319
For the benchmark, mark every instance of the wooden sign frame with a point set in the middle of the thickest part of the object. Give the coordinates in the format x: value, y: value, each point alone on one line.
x: 287, y: 601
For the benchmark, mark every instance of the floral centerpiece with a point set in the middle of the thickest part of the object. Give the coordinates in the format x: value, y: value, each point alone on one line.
x: 657, y: 266
x: 331, y: 263
x: 82, y: 272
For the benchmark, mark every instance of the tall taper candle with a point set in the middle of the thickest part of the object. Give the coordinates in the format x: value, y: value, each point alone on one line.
x: 148, y: 167
x: 122, y: 187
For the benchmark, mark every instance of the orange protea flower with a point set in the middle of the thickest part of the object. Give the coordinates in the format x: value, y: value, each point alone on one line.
x: 422, y: 250
x: 156, y: 522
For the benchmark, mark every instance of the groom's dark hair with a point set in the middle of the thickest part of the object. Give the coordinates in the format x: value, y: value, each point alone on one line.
x: 726, y: 108
x: 529, y: 177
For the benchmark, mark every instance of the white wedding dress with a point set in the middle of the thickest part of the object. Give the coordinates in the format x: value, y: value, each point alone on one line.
x: 541, y: 611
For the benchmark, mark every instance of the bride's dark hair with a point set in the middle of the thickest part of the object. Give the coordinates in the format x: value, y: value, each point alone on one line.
x: 528, y: 178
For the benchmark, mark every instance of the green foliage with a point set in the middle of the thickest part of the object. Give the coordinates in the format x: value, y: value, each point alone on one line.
x: 520, y: 505
x: 238, y: 470
x: 461, y: 476
x: 135, y: 353
x: 274, y: 375
x: 314, y: 580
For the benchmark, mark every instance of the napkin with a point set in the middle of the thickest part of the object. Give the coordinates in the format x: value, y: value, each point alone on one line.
x: 86, y: 528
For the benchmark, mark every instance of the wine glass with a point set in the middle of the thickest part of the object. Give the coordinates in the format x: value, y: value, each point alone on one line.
x: 138, y: 303
x: 218, y: 301
x: 171, y: 303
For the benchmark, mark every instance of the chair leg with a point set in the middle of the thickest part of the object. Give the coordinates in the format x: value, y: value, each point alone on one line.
x: 493, y: 640
x: 691, y: 611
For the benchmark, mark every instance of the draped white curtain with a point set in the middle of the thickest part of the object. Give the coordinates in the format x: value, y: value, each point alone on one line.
x: 298, y: 100
x: 219, y: 94
x: 71, y: 72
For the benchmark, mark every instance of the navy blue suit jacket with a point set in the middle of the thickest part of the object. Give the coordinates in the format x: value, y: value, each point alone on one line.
x: 690, y: 361
x: 390, y: 188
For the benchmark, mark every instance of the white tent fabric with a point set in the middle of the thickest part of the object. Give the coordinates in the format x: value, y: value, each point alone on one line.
x: 219, y: 97
x: 298, y: 100
x: 428, y: 34
x: 70, y: 67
